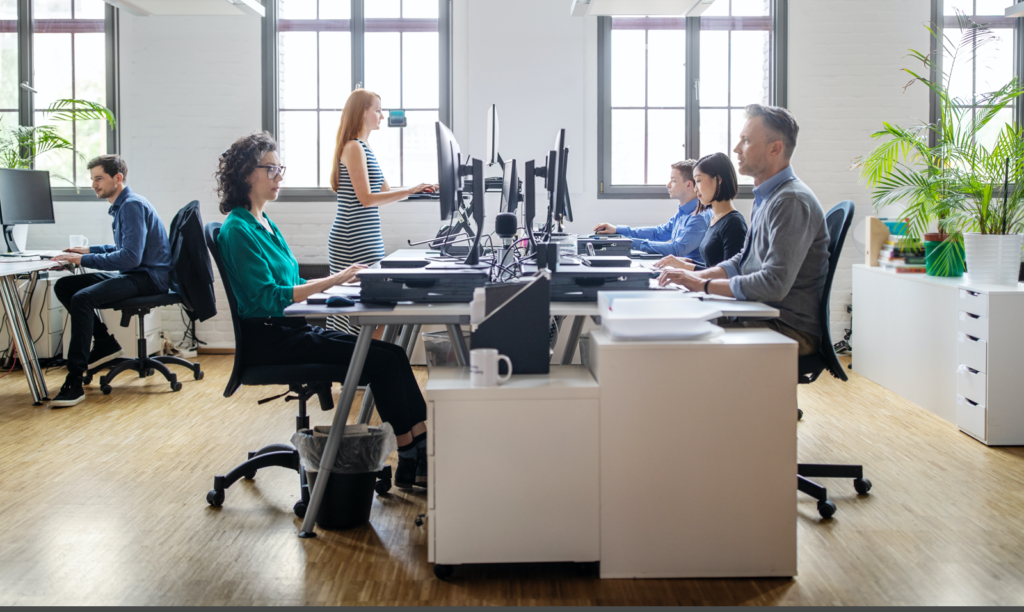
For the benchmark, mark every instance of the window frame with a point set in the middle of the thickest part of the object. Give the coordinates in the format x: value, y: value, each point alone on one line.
x: 778, y: 16
x: 26, y: 99
x: 938, y: 20
x: 357, y: 29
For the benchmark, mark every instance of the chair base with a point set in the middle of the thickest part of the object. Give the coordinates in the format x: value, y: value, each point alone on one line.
x: 806, y: 471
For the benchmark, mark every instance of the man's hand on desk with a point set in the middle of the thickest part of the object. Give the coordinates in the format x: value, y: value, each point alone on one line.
x: 671, y: 261
x: 604, y: 228
x: 72, y: 256
x: 79, y: 250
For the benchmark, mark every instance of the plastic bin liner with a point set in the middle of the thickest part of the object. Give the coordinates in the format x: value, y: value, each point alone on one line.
x: 363, y: 449
x: 439, y: 350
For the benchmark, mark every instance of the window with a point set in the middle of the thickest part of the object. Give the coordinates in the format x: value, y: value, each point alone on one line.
x: 991, y: 68
x: 675, y: 88
x: 325, y: 49
x: 70, y: 48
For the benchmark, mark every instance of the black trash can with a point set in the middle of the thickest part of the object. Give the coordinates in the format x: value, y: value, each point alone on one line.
x: 348, y: 497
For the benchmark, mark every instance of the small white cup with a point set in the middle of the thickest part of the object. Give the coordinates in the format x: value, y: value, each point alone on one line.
x: 78, y: 241
x: 483, y: 367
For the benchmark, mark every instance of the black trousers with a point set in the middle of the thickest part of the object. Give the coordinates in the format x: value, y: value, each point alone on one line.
x: 82, y: 294
x: 290, y: 341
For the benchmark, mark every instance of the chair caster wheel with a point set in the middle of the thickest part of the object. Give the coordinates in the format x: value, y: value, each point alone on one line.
x: 419, y: 520
x: 249, y: 476
x: 106, y: 389
x: 299, y: 509
x: 862, y: 485
x: 199, y: 375
x: 799, y: 414
x: 215, y: 498
x: 149, y: 372
x: 442, y: 572
x: 175, y: 386
x: 382, y: 487
x: 826, y: 509
x: 87, y: 379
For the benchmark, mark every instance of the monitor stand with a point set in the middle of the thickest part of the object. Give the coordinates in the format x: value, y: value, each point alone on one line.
x: 9, y: 243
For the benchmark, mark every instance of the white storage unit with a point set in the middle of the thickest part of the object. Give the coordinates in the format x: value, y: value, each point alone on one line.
x: 513, y: 469
x: 990, y: 351
x: 45, y: 317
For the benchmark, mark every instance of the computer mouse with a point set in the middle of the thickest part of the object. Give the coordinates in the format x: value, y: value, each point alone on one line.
x: 339, y: 301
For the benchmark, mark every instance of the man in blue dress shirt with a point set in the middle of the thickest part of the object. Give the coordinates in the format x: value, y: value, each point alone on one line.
x: 137, y: 264
x: 683, y: 233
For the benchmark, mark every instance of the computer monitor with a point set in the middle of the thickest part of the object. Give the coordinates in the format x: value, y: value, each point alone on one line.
x: 492, y: 136
x: 510, y: 188
x: 448, y: 175
x: 25, y: 197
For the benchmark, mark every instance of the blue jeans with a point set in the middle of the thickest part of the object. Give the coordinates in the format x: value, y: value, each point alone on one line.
x: 82, y: 294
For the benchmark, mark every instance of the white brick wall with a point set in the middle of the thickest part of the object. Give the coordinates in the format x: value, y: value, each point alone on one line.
x: 191, y: 86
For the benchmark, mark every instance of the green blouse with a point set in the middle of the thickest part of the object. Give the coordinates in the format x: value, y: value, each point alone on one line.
x: 261, y: 267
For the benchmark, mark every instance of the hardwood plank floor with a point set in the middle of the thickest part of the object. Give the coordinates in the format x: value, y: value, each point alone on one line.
x: 104, y: 504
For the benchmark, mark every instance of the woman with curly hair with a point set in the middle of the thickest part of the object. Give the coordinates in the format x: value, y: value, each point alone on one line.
x: 264, y: 277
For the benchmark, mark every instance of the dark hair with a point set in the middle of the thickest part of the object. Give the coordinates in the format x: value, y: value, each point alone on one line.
x: 685, y: 168
x: 112, y: 165
x: 779, y: 122
x: 719, y: 166
x: 236, y: 164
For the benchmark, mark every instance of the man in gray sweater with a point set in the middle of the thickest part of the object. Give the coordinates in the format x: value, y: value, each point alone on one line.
x: 784, y: 259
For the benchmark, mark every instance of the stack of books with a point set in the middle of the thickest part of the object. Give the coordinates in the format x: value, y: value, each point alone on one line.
x: 902, y: 256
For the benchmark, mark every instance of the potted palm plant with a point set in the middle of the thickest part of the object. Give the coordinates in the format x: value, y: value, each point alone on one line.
x: 21, y: 146
x: 947, y: 174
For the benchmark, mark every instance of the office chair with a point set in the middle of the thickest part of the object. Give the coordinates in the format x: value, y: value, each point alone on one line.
x: 303, y: 381
x: 810, y: 367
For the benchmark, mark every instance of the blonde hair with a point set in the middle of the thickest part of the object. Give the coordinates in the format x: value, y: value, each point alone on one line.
x: 350, y: 126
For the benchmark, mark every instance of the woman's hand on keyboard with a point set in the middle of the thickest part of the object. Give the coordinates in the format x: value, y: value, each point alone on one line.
x: 671, y: 261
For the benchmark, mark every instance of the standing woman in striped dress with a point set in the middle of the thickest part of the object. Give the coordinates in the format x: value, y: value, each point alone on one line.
x: 361, y: 187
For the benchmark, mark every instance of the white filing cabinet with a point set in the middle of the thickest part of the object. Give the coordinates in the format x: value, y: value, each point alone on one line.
x: 45, y: 318
x: 990, y: 351
x: 698, y: 455
x: 513, y: 469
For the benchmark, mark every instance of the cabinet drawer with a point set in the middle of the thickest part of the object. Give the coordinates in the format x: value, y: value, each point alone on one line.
x: 974, y: 302
x: 971, y: 384
x: 970, y: 417
x: 972, y: 325
x: 972, y: 352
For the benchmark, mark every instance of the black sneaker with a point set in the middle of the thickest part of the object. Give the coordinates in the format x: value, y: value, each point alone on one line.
x: 405, y: 474
x: 70, y: 394
x: 421, y: 466
x: 103, y: 351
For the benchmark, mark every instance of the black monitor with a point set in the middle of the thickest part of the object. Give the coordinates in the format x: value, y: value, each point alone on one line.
x: 492, y: 136
x: 510, y: 188
x: 477, y: 205
x: 448, y: 176
x: 24, y: 198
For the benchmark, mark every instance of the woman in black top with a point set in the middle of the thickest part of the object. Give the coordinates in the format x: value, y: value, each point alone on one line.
x: 716, y: 184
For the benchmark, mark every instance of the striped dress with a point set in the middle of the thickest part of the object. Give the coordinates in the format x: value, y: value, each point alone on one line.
x: 355, y: 236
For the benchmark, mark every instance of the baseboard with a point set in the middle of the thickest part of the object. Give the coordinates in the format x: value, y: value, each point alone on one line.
x: 216, y: 351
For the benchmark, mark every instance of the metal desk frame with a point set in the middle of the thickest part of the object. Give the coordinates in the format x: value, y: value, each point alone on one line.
x: 19, y: 326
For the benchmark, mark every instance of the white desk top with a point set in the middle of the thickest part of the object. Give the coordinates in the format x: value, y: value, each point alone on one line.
x: 945, y: 281
x: 563, y: 382
x: 749, y: 337
x: 24, y: 267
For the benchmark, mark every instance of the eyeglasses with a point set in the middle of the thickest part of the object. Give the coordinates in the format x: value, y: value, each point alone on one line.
x: 273, y: 171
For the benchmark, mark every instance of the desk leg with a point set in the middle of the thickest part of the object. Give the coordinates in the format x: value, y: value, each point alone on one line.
x: 574, y: 339
x: 390, y: 331
x: 461, y: 352
x: 413, y: 337
x: 366, y: 409
x: 23, y: 340
x: 348, y: 393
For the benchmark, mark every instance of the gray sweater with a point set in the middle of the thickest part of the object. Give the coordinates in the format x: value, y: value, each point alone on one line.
x: 784, y: 259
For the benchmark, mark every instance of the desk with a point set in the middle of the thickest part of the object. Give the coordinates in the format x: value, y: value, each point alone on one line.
x: 19, y: 327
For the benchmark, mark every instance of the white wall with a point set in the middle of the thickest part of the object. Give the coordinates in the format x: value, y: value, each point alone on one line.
x: 190, y: 86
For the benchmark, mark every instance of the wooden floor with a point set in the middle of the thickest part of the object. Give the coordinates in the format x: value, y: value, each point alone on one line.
x: 104, y: 504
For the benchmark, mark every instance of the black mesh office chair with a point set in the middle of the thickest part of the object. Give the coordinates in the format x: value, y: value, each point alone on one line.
x: 303, y: 381
x: 811, y: 366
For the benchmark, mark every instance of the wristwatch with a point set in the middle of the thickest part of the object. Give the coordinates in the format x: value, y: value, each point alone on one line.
x: 706, y: 286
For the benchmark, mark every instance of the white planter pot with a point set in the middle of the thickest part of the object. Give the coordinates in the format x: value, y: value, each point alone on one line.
x: 993, y: 259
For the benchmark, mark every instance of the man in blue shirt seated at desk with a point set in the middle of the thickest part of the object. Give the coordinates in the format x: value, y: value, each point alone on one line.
x: 142, y: 254
x: 683, y: 233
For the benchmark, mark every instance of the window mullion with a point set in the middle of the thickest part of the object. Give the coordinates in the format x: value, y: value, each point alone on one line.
x: 271, y: 70
x: 111, y: 27
x: 26, y: 101
x: 358, y: 27
x: 692, y: 130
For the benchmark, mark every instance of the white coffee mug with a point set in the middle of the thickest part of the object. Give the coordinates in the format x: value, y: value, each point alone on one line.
x: 78, y: 241
x: 483, y: 367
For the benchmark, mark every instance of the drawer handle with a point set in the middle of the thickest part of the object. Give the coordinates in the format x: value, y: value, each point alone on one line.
x: 966, y: 370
